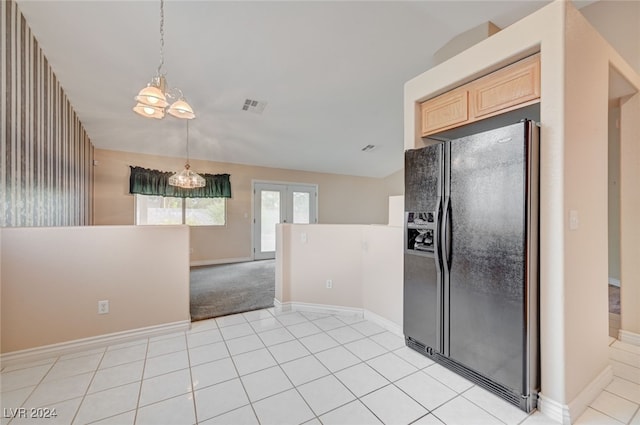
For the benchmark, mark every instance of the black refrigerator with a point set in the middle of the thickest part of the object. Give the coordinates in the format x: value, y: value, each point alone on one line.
x: 471, y: 258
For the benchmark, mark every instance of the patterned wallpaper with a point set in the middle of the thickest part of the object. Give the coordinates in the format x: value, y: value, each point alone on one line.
x: 46, y: 171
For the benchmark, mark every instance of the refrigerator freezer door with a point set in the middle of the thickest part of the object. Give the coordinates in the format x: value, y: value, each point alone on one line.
x: 487, y: 285
x: 422, y: 303
x: 422, y: 269
x: 422, y: 182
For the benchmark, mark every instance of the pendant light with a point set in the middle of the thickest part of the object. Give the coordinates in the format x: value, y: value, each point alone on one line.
x: 186, y: 178
x: 157, y: 98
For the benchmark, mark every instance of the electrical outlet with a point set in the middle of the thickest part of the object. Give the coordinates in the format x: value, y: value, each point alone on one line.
x: 329, y: 283
x: 103, y: 307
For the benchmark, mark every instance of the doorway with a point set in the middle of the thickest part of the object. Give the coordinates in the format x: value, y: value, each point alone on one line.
x: 280, y: 203
x: 614, y: 218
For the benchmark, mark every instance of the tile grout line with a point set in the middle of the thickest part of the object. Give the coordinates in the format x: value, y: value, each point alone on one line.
x: 389, y: 382
x: 621, y: 396
x: 332, y: 373
x: 239, y: 377
x: 636, y: 411
x: 144, y: 367
x: 35, y: 387
x: 86, y: 391
x: 479, y: 406
x: 294, y: 387
x: 361, y: 361
x: 193, y: 391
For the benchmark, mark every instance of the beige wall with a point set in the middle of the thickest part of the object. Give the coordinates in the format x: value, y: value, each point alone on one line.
x: 329, y: 252
x: 573, y: 176
x: 618, y: 21
x: 629, y: 214
x: 341, y: 199
x: 382, y: 272
x: 364, y: 263
x: 53, y: 277
x: 585, y: 181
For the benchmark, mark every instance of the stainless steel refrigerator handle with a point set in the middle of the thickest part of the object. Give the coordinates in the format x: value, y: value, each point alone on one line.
x: 446, y: 230
x: 437, y: 238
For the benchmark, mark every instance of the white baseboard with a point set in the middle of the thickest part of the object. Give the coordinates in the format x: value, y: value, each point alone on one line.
x: 277, y: 305
x: 552, y: 409
x: 567, y: 414
x: 615, y: 282
x: 71, y: 347
x: 384, y: 322
x: 221, y: 261
x: 320, y: 308
x: 340, y: 310
x: 579, y: 404
x: 629, y: 337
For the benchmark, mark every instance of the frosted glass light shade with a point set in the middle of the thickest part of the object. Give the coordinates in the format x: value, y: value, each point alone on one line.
x: 187, y: 179
x: 152, y: 96
x: 181, y: 109
x: 149, y: 111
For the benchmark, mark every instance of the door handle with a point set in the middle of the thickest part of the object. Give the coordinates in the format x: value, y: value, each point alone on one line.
x: 437, y: 237
x: 446, y: 233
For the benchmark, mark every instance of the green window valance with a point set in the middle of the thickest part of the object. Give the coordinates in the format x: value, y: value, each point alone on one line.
x: 144, y: 181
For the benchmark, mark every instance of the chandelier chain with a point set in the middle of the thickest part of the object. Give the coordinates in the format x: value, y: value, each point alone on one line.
x: 161, y: 37
x: 187, y: 141
x: 157, y: 98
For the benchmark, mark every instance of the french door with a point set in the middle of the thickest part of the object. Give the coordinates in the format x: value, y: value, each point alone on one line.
x: 280, y: 203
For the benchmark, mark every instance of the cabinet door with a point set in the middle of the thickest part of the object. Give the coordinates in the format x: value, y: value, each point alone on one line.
x: 508, y: 88
x: 445, y: 111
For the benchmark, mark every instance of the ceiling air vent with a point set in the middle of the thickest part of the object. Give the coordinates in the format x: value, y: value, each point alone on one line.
x: 368, y: 148
x: 254, y: 106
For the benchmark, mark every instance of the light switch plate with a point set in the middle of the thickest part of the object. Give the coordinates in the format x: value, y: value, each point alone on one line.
x: 574, y: 220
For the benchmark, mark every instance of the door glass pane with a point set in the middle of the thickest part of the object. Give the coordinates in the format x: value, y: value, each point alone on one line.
x: 301, y: 207
x: 269, y: 217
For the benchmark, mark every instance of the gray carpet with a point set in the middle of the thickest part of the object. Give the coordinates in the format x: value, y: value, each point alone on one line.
x: 614, y: 299
x: 231, y: 288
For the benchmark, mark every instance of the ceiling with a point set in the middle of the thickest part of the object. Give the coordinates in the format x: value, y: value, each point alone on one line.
x: 331, y: 72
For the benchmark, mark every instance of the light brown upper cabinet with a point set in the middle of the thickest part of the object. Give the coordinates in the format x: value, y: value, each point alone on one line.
x: 445, y: 111
x: 506, y: 89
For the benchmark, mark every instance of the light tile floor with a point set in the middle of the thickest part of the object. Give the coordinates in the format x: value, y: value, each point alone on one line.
x: 266, y: 368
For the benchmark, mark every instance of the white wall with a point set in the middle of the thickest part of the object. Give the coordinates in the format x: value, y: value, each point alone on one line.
x: 364, y: 263
x: 330, y: 252
x: 53, y: 277
x: 382, y: 272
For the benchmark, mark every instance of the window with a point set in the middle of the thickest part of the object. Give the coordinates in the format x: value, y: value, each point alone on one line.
x: 191, y: 211
x: 205, y: 211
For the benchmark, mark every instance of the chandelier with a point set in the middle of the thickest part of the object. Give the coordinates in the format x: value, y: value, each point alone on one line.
x: 186, y: 178
x: 157, y: 98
